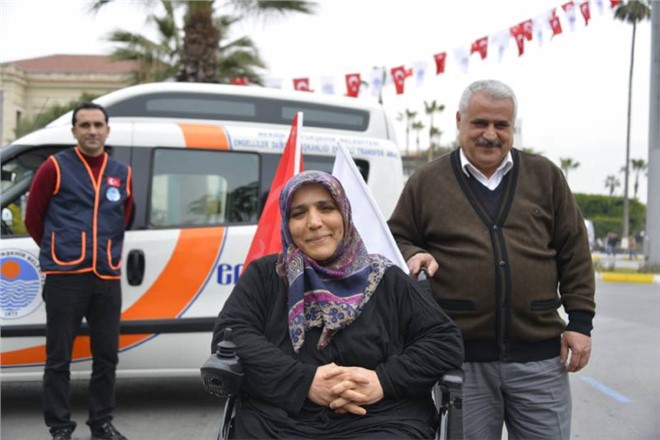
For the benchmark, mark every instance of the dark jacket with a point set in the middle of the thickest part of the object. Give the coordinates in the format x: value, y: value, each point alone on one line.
x: 401, y: 333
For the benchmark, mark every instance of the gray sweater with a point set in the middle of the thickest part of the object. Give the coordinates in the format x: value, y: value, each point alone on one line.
x: 502, y: 279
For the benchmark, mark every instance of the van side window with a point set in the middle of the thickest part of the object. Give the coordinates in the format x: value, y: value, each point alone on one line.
x: 203, y: 187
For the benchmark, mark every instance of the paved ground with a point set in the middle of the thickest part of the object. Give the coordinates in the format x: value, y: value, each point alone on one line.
x: 616, y: 397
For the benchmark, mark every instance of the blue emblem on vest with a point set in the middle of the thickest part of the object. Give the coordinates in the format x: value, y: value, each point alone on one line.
x: 112, y: 194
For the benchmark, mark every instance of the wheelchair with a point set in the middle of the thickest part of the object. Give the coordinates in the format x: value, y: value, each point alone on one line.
x: 222, y: 375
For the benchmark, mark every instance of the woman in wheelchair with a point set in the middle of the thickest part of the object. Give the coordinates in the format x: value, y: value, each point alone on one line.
x: 334, y: 342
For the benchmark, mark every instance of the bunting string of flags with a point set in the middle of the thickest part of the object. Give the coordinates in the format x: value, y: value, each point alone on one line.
x: 548, y: 24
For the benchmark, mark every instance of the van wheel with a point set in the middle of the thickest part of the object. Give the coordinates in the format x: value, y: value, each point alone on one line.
x: 6, y: 229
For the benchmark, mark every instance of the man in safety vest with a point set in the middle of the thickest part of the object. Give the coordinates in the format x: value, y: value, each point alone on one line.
x: 78, y: 208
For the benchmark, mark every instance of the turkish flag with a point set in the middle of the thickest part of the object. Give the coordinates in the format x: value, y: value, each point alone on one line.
x: 481, y: 46
x: 586, y: 12
x: 440, y: 62
x: 555, y: 24
x: 240, y: 80
x: 614, y: 3
x: 518, y: 34
x: 353, y: 83
x: 399, y: 75
x: 301, y: 84
x: 267, y: 239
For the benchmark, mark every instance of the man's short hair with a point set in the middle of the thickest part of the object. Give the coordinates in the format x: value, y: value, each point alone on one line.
x: 88, y: 106
x: 490, y: 87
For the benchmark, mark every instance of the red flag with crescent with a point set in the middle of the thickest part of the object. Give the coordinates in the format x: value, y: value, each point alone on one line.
x: 586, y: 12
x: 240, y: 80
x: 481, y: 46
x: 267, y: 238
x: 353, y: 83
x: 301, y: 84
x: 399, y: 76
x: 440, y: 62
x: 555, y: 24
x: 518, y: 34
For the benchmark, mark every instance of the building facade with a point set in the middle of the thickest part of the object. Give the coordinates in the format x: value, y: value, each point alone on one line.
x: 29, y: 87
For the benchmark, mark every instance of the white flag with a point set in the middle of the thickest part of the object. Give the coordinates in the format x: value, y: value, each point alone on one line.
x: 367, y: 217
x: 501, y: 41
x: 419, y: 69
x: 273, y: 83
x: 377, y: 75
x: 328, y: 85
x: 462, y: 56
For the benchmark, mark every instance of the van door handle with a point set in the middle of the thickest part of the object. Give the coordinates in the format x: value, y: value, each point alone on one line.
x: 135, y: 267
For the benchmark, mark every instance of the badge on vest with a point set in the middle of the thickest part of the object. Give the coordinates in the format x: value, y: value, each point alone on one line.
x: 113, y: 194
x: 113, y: 181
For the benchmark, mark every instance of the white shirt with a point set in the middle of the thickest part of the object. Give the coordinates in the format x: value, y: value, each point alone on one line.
x: 493, y: 181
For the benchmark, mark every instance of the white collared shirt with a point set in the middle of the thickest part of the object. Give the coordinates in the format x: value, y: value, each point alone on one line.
x: 493, y: 181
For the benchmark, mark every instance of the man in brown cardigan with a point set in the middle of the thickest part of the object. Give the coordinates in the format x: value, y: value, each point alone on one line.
x: 504, y: 241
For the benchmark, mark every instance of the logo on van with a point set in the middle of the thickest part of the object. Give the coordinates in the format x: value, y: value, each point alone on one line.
x: 20, y: 283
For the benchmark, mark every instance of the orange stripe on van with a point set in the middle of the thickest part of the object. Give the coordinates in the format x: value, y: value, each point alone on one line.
x: 192, y: 262
x: 205, y: 136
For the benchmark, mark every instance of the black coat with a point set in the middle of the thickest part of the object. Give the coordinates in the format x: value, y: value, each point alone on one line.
x: 402, y: 334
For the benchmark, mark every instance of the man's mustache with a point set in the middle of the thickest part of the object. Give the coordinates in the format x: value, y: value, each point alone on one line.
x: 489, y: 144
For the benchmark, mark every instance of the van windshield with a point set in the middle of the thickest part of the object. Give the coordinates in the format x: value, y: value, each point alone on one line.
x: 239, y: 108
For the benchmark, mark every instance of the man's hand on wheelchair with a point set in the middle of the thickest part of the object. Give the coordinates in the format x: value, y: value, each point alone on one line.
x: 423, y: 259
x: 345, y: 389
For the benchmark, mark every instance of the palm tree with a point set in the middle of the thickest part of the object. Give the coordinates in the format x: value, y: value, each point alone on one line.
x: 612, y: 183
x: 434, y: 141
x: 567, y: 164
x: 158, y: 61
x: 198, y: 53
x: 638, y: 167
x: 237, y: 58
x: 418, y: 126
x: 631, y: 11
x: 199, y: 61
x: 431, y: 108
x: 408, y: 116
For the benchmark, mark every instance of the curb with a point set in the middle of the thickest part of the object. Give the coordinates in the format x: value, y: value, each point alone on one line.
x: 639, y: 278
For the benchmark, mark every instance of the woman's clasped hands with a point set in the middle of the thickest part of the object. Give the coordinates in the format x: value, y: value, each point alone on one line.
x: 345, y: 389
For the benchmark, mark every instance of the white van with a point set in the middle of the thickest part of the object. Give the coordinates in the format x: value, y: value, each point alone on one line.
x: 203, y: 158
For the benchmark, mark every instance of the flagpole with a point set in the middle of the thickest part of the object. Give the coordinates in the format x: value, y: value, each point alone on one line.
x: 298, y: 155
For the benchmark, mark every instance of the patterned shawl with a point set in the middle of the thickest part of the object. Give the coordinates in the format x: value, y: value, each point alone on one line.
x: 328, y: 294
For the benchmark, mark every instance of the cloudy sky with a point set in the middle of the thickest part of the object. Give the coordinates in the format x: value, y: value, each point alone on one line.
x: 572, y: 88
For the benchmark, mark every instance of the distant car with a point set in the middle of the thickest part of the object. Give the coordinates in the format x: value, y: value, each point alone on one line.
x: 591, y: 233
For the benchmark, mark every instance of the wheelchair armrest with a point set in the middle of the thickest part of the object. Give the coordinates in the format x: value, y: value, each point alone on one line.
x: 452, y: 382
x: 218, y: 381
x: 222, y: 373
x: 450, y: 405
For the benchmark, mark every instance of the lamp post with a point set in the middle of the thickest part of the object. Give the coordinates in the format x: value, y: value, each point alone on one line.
x: 652, y: 239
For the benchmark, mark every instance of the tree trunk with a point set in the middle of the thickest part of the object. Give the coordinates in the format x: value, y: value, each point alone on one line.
x: 199, y: 61
x: 407, y: 137
x: 626, y: 214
